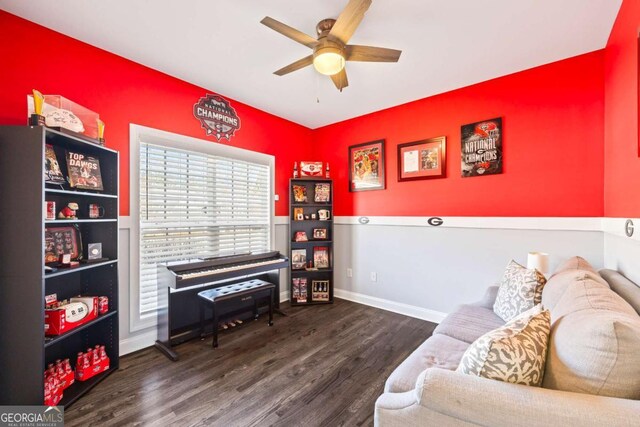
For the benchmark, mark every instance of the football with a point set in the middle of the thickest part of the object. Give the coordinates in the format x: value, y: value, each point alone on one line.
x: 75, y: 311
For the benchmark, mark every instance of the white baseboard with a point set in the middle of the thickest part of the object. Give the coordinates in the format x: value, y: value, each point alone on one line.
x: 284, y: 296
x: 396, y: 307
x: 138, y: 342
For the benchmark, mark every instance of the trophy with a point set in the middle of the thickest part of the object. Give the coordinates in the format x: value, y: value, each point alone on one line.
x: 100, y: 131
x: 37, y: 119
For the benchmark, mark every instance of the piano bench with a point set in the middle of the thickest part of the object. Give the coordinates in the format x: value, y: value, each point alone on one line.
x: 244, y: 291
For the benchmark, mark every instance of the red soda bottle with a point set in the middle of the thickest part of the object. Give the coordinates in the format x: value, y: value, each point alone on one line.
x: 95, y: 359
x: 103, y: 353
x: 79, y: 361
x: 67, y: 365
x: 86, y: 361
x: 59, y: 368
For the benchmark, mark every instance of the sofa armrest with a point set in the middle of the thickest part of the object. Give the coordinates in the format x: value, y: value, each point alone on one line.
x: 489, y: 298
x: 490, y: 402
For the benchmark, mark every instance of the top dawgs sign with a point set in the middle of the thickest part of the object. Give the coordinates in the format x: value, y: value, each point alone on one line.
x: 216, y: 116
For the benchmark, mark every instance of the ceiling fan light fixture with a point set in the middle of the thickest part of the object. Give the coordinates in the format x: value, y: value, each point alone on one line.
x: 328, y: 60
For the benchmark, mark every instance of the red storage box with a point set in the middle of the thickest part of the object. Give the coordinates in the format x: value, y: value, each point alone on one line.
x: 78, y: 311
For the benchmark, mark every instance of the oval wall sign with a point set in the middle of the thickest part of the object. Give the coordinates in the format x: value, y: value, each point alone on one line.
x: 435, y: 221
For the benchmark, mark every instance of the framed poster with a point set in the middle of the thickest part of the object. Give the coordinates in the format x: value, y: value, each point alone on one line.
x: 60, y: 241
x: 422, y: 159
x: 366, y: 166
x: 482, y: 148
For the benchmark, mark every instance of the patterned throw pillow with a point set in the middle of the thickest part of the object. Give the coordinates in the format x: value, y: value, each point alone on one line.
x: 513, y: 353
x: 520, y: 290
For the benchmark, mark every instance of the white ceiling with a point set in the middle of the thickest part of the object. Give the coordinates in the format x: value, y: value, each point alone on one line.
x: 221, y: 45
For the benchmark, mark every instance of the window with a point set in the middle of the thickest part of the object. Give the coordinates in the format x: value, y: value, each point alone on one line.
x: 197, y: 199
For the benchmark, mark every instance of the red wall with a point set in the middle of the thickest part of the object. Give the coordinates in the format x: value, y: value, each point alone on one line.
x: 553, y: 150
x: 124, y: 92
x: 622, y: 164
x: 553, y: 119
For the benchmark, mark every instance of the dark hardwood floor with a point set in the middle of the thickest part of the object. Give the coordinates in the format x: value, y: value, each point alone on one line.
x: 321, y: 366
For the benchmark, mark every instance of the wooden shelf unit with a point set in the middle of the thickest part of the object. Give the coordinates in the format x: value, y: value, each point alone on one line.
x: 26, y: 352
x: 308, y: 225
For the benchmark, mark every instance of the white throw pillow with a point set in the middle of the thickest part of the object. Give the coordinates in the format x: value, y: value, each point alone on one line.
x: 513, y: 353
x: 520, y: 290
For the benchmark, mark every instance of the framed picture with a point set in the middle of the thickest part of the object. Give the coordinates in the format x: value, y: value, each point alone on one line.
x: 298, y: 259
x: 422, y: 159
x: 300, y: 236
x: 300, y: 194
x: 366, y: 166
x: 321, y: 257
x: 311, y: 169
x: 298, y: 214
x: 62, y: 241
x: 320, y: 233
x: 482, y: 148
x: 322, y: 193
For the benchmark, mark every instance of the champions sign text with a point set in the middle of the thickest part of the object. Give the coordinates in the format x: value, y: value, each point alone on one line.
x: 216, y: 116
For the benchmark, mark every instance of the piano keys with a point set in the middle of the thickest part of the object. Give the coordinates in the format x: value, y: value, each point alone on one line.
x: 179, y: 283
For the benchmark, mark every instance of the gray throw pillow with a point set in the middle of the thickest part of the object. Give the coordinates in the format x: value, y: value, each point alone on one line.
x: 520, y: 290
x: 515, y: 353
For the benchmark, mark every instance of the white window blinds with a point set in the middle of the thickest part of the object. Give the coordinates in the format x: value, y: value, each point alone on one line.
x: 195, y: 204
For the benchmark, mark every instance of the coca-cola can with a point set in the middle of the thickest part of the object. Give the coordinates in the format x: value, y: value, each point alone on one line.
x: 103, y: 305
x: 50, y: 211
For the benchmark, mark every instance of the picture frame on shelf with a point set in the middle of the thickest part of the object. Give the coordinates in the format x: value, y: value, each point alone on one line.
x: 298, y: 259
x: 367, y: 166
x: 321, y: 257
x: 320, y: 234
x: 425, y: 159
x: 60, y: 241
x: 300, y: 194
x: 311, y: 169
x: 301, y: 236
x: 322, y: 192
x: 298, y: 214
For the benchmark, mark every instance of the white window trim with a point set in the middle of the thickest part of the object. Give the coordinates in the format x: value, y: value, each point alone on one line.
x: 174, y: 140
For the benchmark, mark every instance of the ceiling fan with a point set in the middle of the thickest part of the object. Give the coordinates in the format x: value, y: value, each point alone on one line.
x: 330, y: 49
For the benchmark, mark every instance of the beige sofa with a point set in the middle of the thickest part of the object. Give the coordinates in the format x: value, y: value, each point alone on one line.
x: 592, y: 374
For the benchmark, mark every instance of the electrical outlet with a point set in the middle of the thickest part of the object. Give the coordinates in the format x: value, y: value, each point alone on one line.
x: 349, y: 272
x: 374, y: 276
x: 276, y: 197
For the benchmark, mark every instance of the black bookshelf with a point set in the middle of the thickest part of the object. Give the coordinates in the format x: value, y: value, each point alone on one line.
x: 23, y: 281
x: 322, y: 277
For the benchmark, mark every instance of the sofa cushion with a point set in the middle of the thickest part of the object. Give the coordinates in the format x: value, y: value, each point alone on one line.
x: 469, y: 322
x: 514, y: 353
x: 439, y: 351
x: 558, y: 284
x: 585, y: 293
x: 595, y: 351
x: 595, y: 342
x: 520, y: 290
x: 575, y: 263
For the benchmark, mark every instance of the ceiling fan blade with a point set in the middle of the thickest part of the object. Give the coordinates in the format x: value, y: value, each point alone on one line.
x: 290, y: 32
x: 301, y: 63
x: 349, y: 19
x: 340, y: 79
x: 371, y: 54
